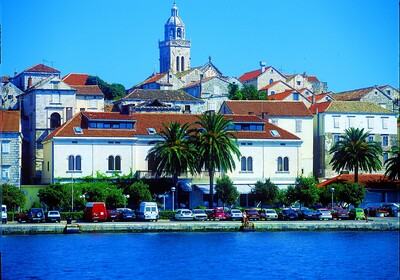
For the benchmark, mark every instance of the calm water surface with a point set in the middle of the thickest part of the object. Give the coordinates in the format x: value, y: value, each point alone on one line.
x: 258, y: 255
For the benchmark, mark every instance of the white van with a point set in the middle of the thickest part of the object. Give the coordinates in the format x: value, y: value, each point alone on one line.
x: 4, y: 214
x: 148, y: 211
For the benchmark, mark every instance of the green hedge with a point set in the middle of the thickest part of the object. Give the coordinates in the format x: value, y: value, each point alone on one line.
x: 166, y: 215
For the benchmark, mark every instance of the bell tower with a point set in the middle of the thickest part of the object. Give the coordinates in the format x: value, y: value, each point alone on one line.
x: 175, y: 49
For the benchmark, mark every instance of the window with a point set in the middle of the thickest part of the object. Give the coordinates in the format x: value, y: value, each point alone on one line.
x: 298, y: 83
x: 286, y: 164
x: 5, y: 172
x: 272, y: 92
x: 177, y: 64
x: 274, y: 133
x: 384, y: 123
x: 5, y: 147
x: 74, y: 163
x: 55, y: 120
x: 271, y: 81
x: 114, y: 163
x: 68, y: 113
x: 385, y: 140
x: 246, y: 164
x: 280, y: 166
x: 336, y: 122
x: 371, y: 138
x: 385, y: 157
x: 78, y: 130
x: 370, y: 122
x: 298, y: 125
x: 336, y: 138
x: 182, y: 64
x: 351, y: 121
x: 296, y: 96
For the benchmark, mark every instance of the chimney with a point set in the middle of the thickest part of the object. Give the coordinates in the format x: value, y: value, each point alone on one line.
x: 264, y: 116
x: 29, y: 82
x: 262, y: 64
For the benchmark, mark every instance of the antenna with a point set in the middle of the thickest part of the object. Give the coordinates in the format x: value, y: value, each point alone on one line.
x: 48, y: 61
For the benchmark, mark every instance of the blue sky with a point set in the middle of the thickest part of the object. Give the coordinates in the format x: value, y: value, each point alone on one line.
x: 349, y: 44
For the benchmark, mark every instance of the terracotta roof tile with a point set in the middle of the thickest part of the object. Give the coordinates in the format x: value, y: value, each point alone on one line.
x: 319, y: 107
x: 161, y: 95
x: 9, y: 121
x: 352, y: 95
x: 313, y: 79
x: 74, y: 79
x: 363, y: 179
x: 41, y: 68
x: 88, y: 90
x: 273, y: 108
x: 281, y: 96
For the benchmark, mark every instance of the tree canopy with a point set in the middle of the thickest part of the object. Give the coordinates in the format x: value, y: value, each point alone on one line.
x: 226, y: 191
x: 111, y: 91
x: 305, y: 191
x: 267, y: 193
x: 12, y: 196
x: 247, y: 92
x: 392, y: 164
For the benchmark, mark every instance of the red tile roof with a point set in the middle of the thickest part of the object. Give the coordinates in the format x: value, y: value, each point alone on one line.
x: 250, y: 75
x: 313, y: 79
x: 88, y: 90
x: 41, y: 68
x: 318, y: 97
x: 153, y: 78
x: 320, y: 107
x: 148, y: 120
x: 274, y: 84
x: 273, y: 108
x: 198, y: 82
x: 74, y: 79
x: 281, y: 96
x: 9, y: 121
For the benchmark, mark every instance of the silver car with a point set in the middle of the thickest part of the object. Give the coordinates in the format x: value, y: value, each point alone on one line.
x: 268, y: 214
x: 234, y: 214
x: 184, y: 215
x: 324, y: 214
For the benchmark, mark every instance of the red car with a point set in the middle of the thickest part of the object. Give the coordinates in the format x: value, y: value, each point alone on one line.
x: 340, y: 214
x: 217, y: 214
x: 252, y: 214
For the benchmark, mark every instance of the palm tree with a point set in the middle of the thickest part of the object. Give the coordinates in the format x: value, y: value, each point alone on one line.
x: 176, y: 154
x: 353, y: 152
x: 393, y: 165
x: 216, y: 146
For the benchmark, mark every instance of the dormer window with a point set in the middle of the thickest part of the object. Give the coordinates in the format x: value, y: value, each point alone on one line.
x: 274, y: 133
x: 151, y: 130
x: 78, y: 130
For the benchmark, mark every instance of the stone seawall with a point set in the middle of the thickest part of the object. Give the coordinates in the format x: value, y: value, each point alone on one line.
x: 209, y: 226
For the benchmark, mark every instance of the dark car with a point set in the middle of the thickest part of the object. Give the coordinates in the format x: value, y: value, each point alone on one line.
x: 307, y: 214
x: 288, y: 214
x: 252, y: 214
x: 391, y: 208
x: 35, y: 215
x: 112, y: 215
x: 126, y: 214
x: 340, y: 214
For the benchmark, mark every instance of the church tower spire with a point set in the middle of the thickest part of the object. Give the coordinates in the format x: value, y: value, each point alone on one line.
x: 175, y: 49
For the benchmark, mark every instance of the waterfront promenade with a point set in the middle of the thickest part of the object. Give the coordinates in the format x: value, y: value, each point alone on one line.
x: 374, y: 224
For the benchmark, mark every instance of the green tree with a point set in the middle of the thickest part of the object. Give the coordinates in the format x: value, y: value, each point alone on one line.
x: 54, y: 196
x: 354, y: 152
x: 234, y: 92
x: 115, y: 197
x: 350, y: 193
x: 111, y: 91
x: 226, y: 191
x: 250, y: 92
x: 216, y: 146
x: 138, y: 192
x: 267, y: 192
x: 175, y: 155
x: 392, y: 164
x: 12, y: 196
x: 305, y: 191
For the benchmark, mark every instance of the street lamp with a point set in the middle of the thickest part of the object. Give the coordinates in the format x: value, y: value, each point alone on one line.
x: 173, y: 203
x: 126, y: 196
x: 332, y: 191
x: 163, y: 197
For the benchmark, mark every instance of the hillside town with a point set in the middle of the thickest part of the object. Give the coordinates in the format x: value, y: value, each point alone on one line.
x: 56, y: 127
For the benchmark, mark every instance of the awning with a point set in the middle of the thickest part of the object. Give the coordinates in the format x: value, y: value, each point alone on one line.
x: 242, y: 189
x: 185, y: 186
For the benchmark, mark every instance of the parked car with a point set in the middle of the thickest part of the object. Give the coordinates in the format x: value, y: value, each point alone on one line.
x: 35, y: 215
x: 307, y: 214
x: 340, y: 214
x: 324, y: 214
x: 356, y: 214
x: 53, y: 216
x: 20, y: 217
x: 126, y: 214
x: 95, y: 212
x: 234, y: 214
x: 217, y: 214
x: 184, y: 215
x: 252, y: 214
x: 112, y: 215
x: 4, y: 214
x: 391, y: 208
x: 268, y: 214
x: 288, y: 214
x: 148, y: 211
x: 199, y: 215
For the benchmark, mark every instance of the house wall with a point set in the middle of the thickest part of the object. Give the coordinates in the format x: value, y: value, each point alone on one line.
x: 89, y: 103
x: 377, y: 97
x: 11, y: 160
x: 266, y: 76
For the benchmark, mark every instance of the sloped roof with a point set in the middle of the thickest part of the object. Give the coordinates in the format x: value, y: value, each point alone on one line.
x: 88, y: 90
x: 153, y: 78
x: 271, y: 107
x: 156, y: 121
x: 318, y: 97
x: 74, y: 79
x: 162, y: 95
x: 352, y: 95
x: 198, y: 82
x: 349, y: 107
x: 363, y: 179
x: 313, y: 79
x: 41, y: 68
x: 9, y: 121
x: 250, y: 75
x: 281, y: 95
x: 274, y: 84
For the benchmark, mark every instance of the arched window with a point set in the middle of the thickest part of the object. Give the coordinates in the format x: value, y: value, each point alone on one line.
x: 78, y: 160
x: 286, y: 164
x: 177, y: 64
x: 280, y: 167
x: 110, y: 163
x: 182, y: 63
x: 179, y: 33
x: 272, y: 92
x: 55, y: 120
x: 271, y: 81
x: 118, y: 163
x: 171, y: 33
x: 243, y: 164
x: 249, y: 164
x: 71, y: 165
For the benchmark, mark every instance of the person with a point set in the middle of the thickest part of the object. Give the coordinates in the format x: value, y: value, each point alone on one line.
x: 245, y: 219
x: 366, y: 214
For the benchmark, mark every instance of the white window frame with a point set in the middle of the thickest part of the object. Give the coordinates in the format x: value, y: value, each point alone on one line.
x: 5, y: 172
x: 298, y: 126
x: 370, y: 122
x: 351, y: 121
x: 5, y: 147
x: 384, y: 123
x: 336, y: 123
